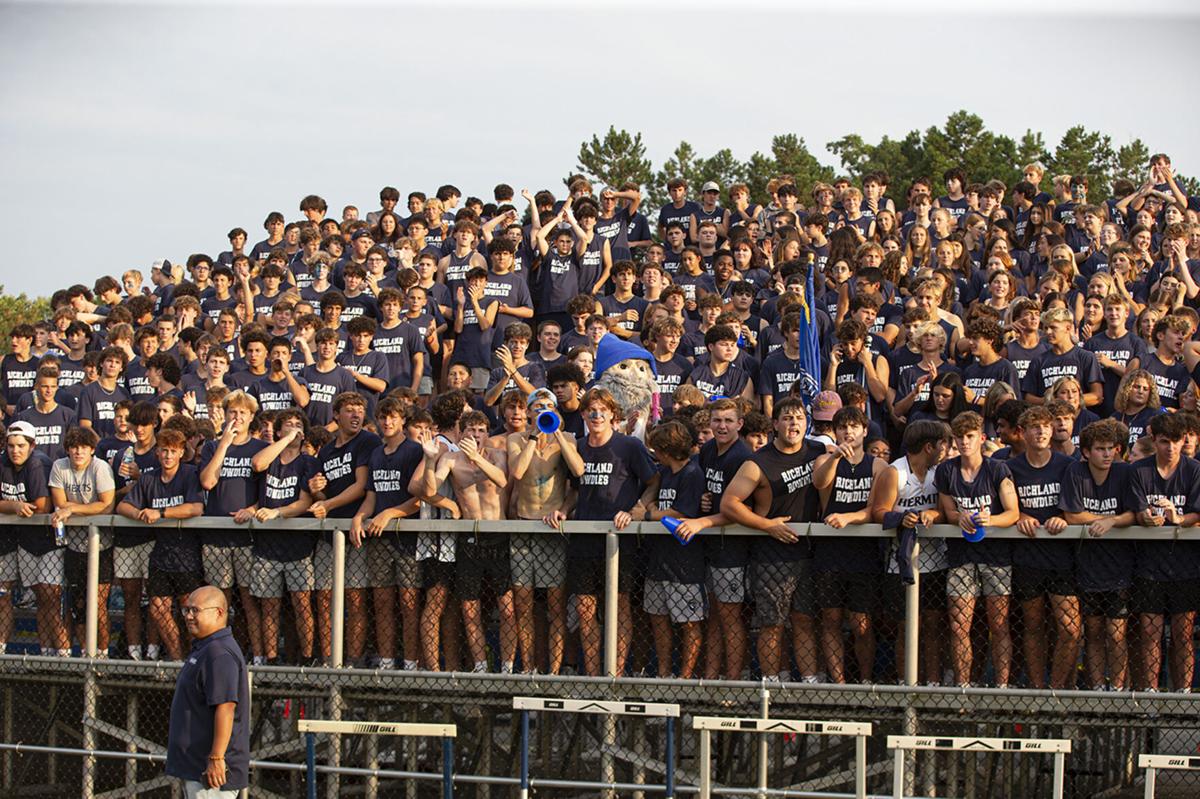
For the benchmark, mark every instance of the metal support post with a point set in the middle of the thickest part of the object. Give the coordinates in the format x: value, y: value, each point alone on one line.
x: 912, y: 659
x: 337, y: 610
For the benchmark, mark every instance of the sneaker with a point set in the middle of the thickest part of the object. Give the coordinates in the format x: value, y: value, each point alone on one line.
x: 809, y: 679
x: 387, y: 663
x: 480, y: 668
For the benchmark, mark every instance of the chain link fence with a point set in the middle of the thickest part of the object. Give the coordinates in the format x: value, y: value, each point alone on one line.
x: 447, y: 621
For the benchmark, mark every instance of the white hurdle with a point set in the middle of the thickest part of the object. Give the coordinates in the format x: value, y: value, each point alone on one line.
x: 310, y: 728
x: 1059, y: 747
x: 526, y: 704
x: 708, y: 724
x: 1152, y: 763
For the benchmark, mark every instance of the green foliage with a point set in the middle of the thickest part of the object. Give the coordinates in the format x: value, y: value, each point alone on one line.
x: 619, y: 158
x: 17, y: 309
x: 963, y: 141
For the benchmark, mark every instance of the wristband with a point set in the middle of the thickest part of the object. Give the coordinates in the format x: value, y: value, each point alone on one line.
x: 216, y: 757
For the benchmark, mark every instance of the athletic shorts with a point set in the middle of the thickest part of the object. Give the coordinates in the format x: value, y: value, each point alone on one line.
x: 585, y: 576
x: 480, y: 377
x: 435, y: 573
x: 1109, y: 604
x: 172, y: 584
x: 1157, y: 597
x: 226, y: 567
x: 389, y: 565
x: 270, y: 578
x: 44, y: 569
x: 781, y: 589
x: 479, y: 566
x: 978, y: 579
x: 538, y: 561
x: 75, y: 568
x: 855, y: 591
x: 932, y: 593
x: 727, y: 584
x: 683, y: 602
x: 9, y: 568
x: 1033, y: 583
x: 358, y: 571
x: 425, y: 387
x: 132, y: 563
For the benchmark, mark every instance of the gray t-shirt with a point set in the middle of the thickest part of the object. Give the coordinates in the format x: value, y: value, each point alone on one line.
x: 83, y: 487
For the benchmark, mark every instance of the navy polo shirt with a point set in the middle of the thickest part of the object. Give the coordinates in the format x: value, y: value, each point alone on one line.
x: 213, y: 674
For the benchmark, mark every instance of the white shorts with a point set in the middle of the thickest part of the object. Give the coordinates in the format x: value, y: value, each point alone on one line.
x: 358, y: 570
x: 225, y: 567
x: 41, y: 569
x: 683, y: 602
x: 273, y: 577
x: 132, y: 563
x: 9, y: 570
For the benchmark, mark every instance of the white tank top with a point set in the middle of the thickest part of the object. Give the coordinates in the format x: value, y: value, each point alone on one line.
x: 438, y: 545
x: 913, y: 493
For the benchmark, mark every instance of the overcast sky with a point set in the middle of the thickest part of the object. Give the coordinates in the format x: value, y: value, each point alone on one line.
x: 135, y: 132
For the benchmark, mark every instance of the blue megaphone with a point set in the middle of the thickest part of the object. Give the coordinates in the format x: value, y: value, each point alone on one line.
x: 548, y: 422
x: 979, y: 532
x: 672, y: 525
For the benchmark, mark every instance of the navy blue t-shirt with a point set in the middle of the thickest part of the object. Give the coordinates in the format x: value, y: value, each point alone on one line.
x: 388, y: 475
x: 273, y: 395
x: 1166, y: 560
x: 98, y: 406
x: 1171, y: 379
x: 1038, y: 492
x: 50, y: 428
x: 670, y: 375
x: 718, y: 469
x: 983, y: 491
x: 322, y: 388
x: 237, y: 488
x: 1022, y: 357
x: 614, y: 477
x: 730, y: 384
x: 667, y: 559
x: 338, y: 464
x: 1100, y: 565
x: 399, y: 344
x: 792, y: 496
x: 1050, y: 366
x: 176, y: 549
x: 17, y: 377
x: 1122, y: 350
x: 28, y: 483
x: 281, y: 485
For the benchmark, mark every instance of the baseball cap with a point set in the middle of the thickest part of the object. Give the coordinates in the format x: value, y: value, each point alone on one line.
x: 542, y: 393
x: 22, y: 429
x: 826, y: 404
x: 710, y: 186
x: 358, y: 234
x: 163, y: 266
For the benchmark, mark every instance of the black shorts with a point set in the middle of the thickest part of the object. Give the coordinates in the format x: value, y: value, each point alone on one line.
x: 75, y: 567
x: 1109, y: 604
x: 479, y: 566
x: 436, y: 573
x: 1032, y: 583
x: 1156, y: 597
x: 585, y: 576
x: 854, y: 591
x: 932, y: 594
x: 172, y: 584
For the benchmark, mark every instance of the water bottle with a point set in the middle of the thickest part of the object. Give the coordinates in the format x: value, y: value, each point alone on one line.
x: 60, y: 534
x: 127, y: 457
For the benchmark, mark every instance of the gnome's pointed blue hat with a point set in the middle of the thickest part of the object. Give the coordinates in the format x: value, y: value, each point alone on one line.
x: 613, y: 349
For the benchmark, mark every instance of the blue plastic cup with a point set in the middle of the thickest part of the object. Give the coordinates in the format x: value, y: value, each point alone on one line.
x: 979, y: 533
x: 548, y: 422
x: 672, y: 525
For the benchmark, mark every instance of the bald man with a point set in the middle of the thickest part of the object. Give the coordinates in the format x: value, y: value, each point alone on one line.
x: 208, y: 744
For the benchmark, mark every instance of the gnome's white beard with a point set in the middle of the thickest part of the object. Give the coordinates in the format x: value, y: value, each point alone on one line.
x: 634, y: 395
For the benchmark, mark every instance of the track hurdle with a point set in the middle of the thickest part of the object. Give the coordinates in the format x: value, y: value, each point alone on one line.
x: 311, y: 727
x: 707, y: 724
x: 527, y: 704
x: 1059, y: 747
x: 1152, y: 763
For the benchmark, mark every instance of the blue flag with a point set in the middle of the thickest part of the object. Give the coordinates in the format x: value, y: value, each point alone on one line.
x: 810, y: 350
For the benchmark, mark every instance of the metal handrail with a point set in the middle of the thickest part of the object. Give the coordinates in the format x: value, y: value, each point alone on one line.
x: 527, y: 527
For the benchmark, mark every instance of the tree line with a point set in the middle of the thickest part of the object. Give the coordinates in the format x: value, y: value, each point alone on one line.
x: 963, y: 141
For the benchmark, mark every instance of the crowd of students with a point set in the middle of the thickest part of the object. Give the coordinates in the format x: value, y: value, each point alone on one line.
x: 990, y: 357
